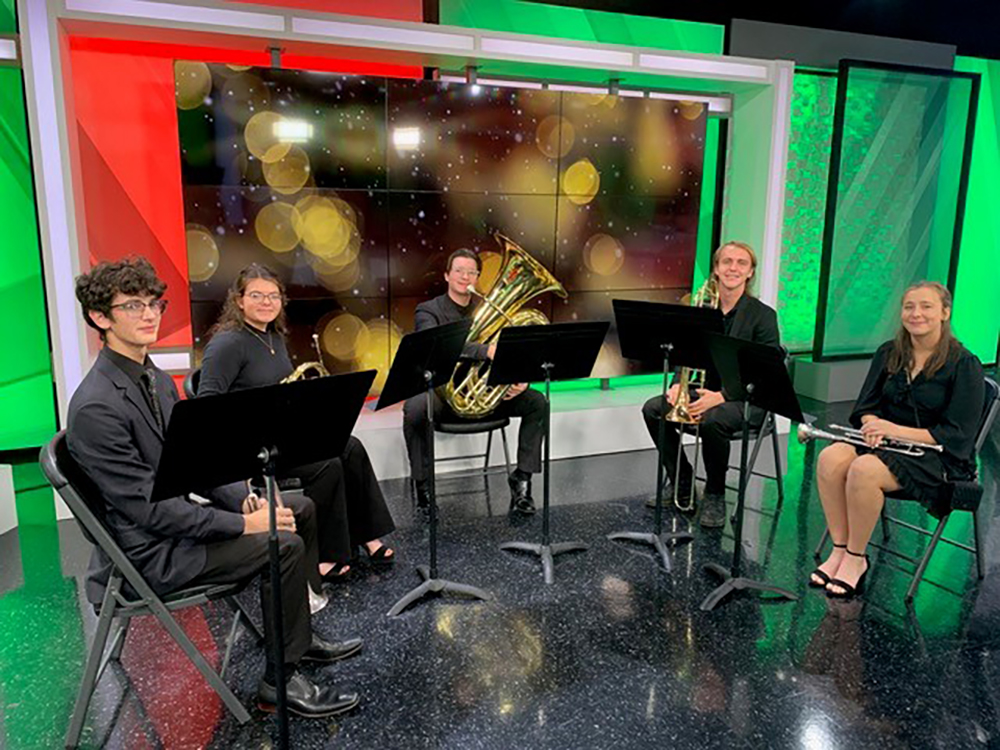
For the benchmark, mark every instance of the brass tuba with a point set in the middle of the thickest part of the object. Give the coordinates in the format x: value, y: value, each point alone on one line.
x: 521, y: 279
x: 706, y: 296
x: 317, y: 368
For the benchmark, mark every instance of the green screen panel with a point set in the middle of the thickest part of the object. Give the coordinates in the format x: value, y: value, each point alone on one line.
x: 813, y: 99
x: 8, y: 17
x: 977, y: 309
x: 896, y: 199
x: 583, y: 25
x: 27, y: 403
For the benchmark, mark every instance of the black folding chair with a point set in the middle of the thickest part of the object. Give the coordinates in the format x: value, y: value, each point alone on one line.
x: 962, y: 495
x: 129, y: 595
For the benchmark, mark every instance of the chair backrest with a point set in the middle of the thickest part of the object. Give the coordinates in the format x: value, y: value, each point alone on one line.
x: 191, y: 381
x: 84, y: 501
x: 991, y: 407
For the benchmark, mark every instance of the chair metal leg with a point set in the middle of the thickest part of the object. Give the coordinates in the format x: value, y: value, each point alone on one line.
x: 778, y: 472
x: 486, y: 456
x: 885, y: 523
x: 977, y: 535
x: 247, y: 620
x: 89, y: 681
x: 818, y: 552
x: 198, y: 659
x: 926, y: 558
x: 506, y: 452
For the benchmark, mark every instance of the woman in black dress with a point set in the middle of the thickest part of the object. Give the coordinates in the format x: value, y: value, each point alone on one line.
x: 247, y: 350
x: 923, y: 386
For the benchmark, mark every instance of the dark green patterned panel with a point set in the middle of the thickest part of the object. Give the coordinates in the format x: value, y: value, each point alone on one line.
x: 813, y: 99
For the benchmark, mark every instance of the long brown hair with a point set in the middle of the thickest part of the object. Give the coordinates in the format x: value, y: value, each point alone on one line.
x: 901, y: 356
x: 232, y: 317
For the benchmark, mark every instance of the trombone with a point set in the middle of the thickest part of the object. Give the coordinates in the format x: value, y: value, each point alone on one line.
x: 855, y: 437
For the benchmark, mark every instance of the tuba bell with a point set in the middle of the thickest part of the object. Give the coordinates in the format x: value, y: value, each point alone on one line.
x: 310, y: 369
x: 521, y: 279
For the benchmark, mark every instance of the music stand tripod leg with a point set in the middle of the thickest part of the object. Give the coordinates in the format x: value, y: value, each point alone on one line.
x: 432, y: 585
x: 546, y: 551
x: 731, y: 578
x: 658, y: 540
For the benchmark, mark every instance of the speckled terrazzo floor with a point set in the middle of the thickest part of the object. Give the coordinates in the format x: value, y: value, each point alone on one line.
x: 615, y: 654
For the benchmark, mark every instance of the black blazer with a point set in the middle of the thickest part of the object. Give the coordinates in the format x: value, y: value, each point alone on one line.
x: 440, y: 310
x: 114, y: 437
x: 752, y: 320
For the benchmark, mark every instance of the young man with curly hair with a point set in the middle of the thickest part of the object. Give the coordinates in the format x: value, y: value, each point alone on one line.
x: 117, y: 420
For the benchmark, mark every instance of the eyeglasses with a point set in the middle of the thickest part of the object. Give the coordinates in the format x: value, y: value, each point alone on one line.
x: 258, y: 297
x: 136, y: 308
x: 467, y: 274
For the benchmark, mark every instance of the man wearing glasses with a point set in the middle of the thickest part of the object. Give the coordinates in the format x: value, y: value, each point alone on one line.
x: 462, y: 272
x: 116, y: 425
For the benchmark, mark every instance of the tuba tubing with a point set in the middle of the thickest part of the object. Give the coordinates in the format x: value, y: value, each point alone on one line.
x: 521, y: 279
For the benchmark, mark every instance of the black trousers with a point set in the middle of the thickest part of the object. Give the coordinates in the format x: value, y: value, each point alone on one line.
x: 530, y: 406
x: 247, y: 556
x: 350, y: 506
x: 718, y: 428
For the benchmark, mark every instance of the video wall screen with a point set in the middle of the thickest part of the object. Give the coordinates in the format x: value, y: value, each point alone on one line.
x: 356, y: 189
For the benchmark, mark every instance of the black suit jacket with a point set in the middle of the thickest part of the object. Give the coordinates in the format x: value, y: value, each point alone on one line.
x: 752, y: 320
x: 114, y: 437
x: 440, y: 310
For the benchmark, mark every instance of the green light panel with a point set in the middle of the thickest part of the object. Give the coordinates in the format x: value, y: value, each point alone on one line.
x: 977, y: 311
x: 813, y: 98
x: 8, y: 17
x: 27, y: 402
x: 583, y: 25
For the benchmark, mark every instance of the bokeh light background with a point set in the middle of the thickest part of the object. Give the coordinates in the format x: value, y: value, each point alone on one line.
x: 355, y: 189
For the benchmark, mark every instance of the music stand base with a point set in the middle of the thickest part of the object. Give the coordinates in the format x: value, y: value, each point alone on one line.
x: 546, y: 552
x: 658, y: 542
x: 436, y: 587
x: 732, y: 584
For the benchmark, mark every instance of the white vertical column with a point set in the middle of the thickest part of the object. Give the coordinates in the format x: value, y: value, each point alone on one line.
x: 758, y: 153
x: 45, y: 100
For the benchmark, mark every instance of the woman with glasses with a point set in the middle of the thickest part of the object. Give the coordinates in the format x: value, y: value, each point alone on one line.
x: 247, y: 349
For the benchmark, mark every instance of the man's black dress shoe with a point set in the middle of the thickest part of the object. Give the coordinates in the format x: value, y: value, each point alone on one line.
x: 520, y: 495
x: 327, y: 651
x: 306, y: 698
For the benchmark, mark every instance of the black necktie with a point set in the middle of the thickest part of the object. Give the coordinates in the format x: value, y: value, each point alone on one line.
x: 149, y: 381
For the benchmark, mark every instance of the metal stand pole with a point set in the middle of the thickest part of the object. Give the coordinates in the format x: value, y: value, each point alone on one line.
x: 731, y: 578
x: 658, y: 540
x: 431, y: 583
x: 267, y: 457
x: 546, y: 551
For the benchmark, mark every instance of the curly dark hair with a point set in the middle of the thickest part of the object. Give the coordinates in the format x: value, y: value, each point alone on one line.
x: 232, y: 318
x: 96, y: 290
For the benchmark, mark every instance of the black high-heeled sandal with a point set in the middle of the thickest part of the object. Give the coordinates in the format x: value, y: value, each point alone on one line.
x: 849, y: 591
x: 337, y: 573
x: 824, y: 576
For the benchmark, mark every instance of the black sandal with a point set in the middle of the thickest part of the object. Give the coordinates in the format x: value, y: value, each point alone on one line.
x: 381, y: 556
x: 338, y: 572
x: 824, y: 576
x: 849, y: 591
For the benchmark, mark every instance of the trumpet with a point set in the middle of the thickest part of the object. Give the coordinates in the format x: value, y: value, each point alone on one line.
x: 856, y: 437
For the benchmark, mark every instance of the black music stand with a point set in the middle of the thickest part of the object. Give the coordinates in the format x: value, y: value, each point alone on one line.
x: 216, y: 440
x: 754, y: 374
x: 425, y: 359
x: 561, y: 351
x: 667, y: 335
